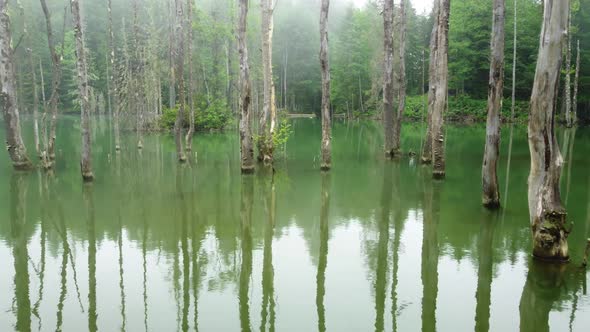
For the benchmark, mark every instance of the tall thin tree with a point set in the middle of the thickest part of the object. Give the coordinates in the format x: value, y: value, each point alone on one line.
x: 514, y: 65
x: 191, y: 102
x: 401, y: 84
x: 576, y: 83
x: 568, y: 73
x: 8, y: 99
x: 547, y: 214
x: 388, y: 76
x: 326, y: 148
x: 268, y: 118
x: 113, y: 83
x: 246, y: 148
x: 427, y: 148
x: 179, y: 59
x: 490, y: 188
x: 439, y: 87
x: 82, y: 70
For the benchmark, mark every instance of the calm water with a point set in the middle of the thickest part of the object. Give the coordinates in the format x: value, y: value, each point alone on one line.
x: 374, y: 245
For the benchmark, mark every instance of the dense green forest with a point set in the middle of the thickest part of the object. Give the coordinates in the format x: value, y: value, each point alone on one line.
x: 355, y: 54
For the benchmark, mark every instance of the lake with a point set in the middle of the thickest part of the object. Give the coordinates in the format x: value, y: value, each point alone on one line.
x: 372, y: 245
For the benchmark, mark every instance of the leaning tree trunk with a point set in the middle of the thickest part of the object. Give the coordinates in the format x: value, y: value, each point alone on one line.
x: 388, y: 76
x: 246, y: 148
x: 491, y: 192
x: 576, y: 82
x: 86, y: 160
x: 439, y: 86
x: 401, y: 106
x: 179, y: 58
x: 113, y: 83
x: 266, y: 129
x: 191, y: 102
x: 568, y: 76
x: 547, y: 214
x: 14, y: 141
x: 326, y: 163
x: 427, y: 148
x: 49, y: 153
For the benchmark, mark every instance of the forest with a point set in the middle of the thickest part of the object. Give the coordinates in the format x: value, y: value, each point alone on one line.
x: 194, y: 139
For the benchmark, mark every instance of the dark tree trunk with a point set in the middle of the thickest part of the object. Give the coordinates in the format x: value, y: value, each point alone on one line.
x: 326, y: 148
x: 388, y: 76
x: 246, y: 148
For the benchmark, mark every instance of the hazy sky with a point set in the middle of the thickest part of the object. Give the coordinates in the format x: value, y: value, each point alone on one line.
x: 420, y: 5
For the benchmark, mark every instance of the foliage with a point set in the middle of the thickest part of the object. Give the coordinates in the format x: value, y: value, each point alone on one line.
x: 215, y: 116
x: 464, y: 108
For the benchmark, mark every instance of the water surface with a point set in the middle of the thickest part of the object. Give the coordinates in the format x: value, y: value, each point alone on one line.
x: 373, y: 245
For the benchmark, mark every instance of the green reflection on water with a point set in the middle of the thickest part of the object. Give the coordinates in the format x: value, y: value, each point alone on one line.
x: 372, y: 245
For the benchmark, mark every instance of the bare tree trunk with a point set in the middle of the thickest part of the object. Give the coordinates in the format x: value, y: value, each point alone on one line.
x: 14, y: 141
x: 326, y: 163
x: 439, y: 88
x: 86, y: 160
x: 401, y: 81
x: 427, y: 148
x: 547, y: 214
x: 266, y: 130
x: 388, y: 76
x: 172, y: 76
x: 576, y: 82
x: 49, y: 154
x: 285, y: 78
x: 191, y: 102
x: 113, y: 84
x: 138, y: 79
x: 490, y: 188
x: 246, y: 148
x: 179, y: 59
x: 513, y: 67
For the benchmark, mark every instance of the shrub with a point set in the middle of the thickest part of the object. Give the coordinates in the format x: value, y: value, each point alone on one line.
x: 215, y: 116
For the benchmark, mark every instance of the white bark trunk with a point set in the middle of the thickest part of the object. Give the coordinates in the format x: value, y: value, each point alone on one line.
x: 246, y: 148
x: 547, y: 214
x: 179, y: 59
x: 326, y: 148
x: 267, y: 122
x: 388, y: 76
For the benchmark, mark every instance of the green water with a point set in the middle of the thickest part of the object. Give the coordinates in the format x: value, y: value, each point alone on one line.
x: 374, y: 245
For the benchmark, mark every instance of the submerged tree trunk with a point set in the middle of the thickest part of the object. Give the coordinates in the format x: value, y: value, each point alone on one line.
x: 326, y: 163
x: 246, y: 148
x: 191, y: 102
x: 439, y: 87
x: 401, y: 106
x: 568, y: 75
x: 266, y: 129
x: 49, y: 153
x: 491, y: 191
x: 547, y: 214
x: 113, y: 83
x: 179, y: 59
x: 576, y: 82
x: 86, y: 158
x: 427, y: 148
x: 388, y: 76
x: 14, y: 141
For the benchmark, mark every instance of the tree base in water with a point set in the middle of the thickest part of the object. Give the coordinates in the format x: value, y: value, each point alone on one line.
x: 23, y: 166
x: 425, y: 161
x: 491, y: 204
x: 88, y: 177
x: 550, y: 237
x: 248, y: 169
x: 438, y: 175
x: 325, y: 167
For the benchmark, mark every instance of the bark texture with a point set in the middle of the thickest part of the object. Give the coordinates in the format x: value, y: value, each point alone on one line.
x: 401, y: 105
x: 388, y: 76
x: 547, y: 214
x: 267, y: 124
x: 191, y: 102
x: 326, y: 148
x: 246, y: 148
x: 8, y: 100
x: 439, y: 89
x: 179, y: 59
x: 48, y: 156
x: 513, y: 66
x: 427, y: 148
x: 82, y: 71
x: 113, y: 83
x: 490, y: 188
